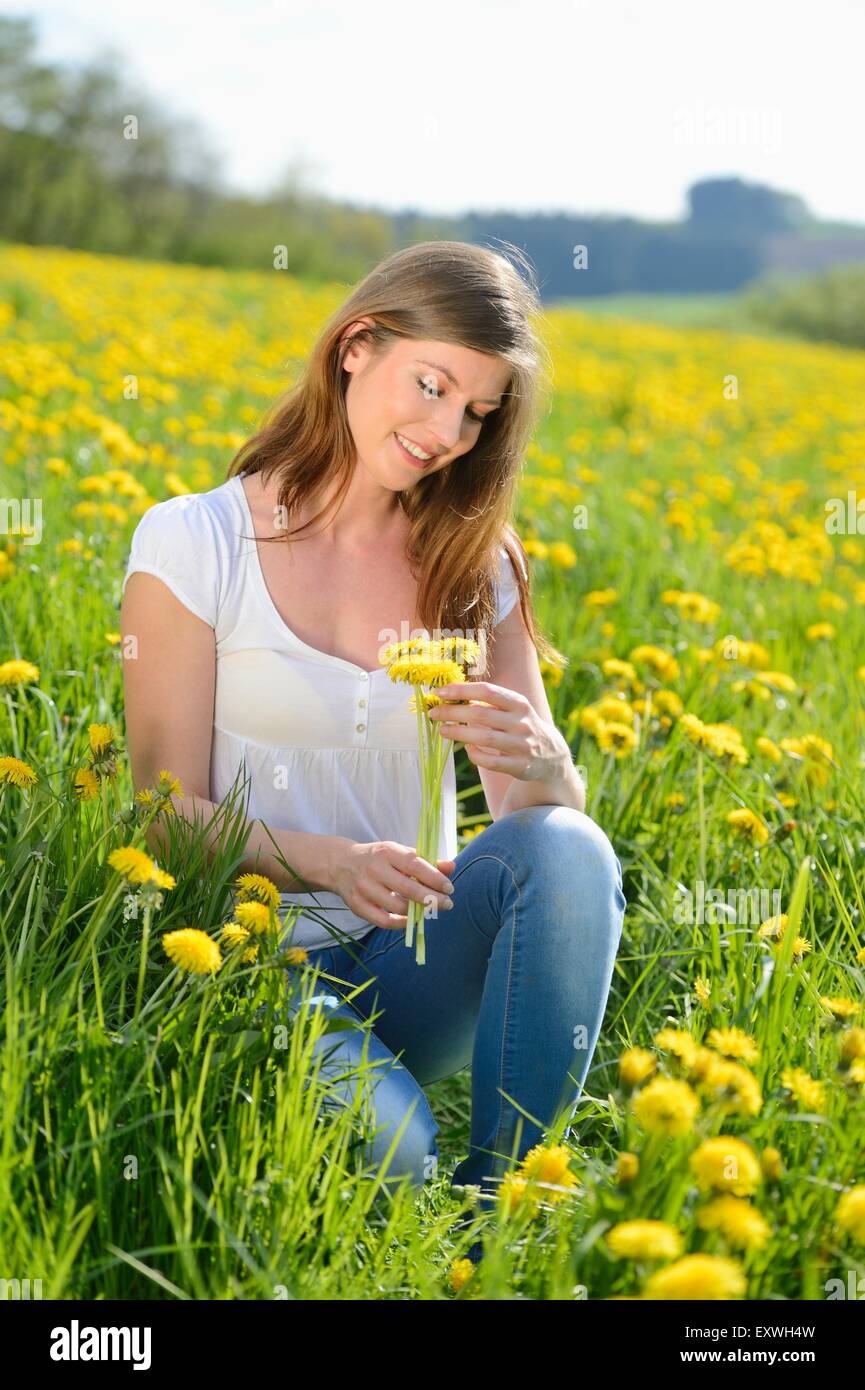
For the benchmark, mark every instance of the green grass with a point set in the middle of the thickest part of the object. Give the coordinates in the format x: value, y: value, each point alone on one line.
x: 166, y: 1136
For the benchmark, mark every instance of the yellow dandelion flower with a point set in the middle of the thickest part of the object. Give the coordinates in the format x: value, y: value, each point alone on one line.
x: 296, y: 955
x: 618, y: 739
x: 627, y: 1167
x: 614, y: 669
x: 703, y: 991
x: 543, y: 1164
x: 773, y: 926
x: 16, y: 773
x: 18, y: 672
x: 255, y: 916
x: 850, y: 1213
x: 233, y: 935
x: 767, y: 749
x: 739, y: 1223
x: 733, y: 1042
x: 667, y: 702
x: 745, y: 822
x: 460, y: 1273
x: 193, y: 950
x: 613, y: 709
x: 840, y: 1007
x: 726, y: 1164
x: 772, y: 1164
x: 514, y: 1195
x: 807, y: 1090
x: 776, y: 680
x: 662, y: 662
x: 600, y: 598
x: 636, y: 1065
x: 732, y: 1087
x: 133, y: 864
x: 698, y: 1277
x: 694, y: 728
x: 666, y: 1106
x: 85, y: 784
x: 815, y: 756
x: 562, y: 555
x: 818, y: 632
x: 852, y: 1043
x: 677, y: 1041
x: 855, y: 1072
x: 418, y: 669
x: 168, y: 784
x: 644, y: 1240
x: 258, y: 888
x: 101, y: 736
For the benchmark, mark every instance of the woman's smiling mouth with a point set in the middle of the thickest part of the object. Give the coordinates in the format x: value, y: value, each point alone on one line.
x: 412, y: 452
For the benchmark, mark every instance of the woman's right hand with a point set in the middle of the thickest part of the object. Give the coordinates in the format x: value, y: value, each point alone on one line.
x: 376, y: 880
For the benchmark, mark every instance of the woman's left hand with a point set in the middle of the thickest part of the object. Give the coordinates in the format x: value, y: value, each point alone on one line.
x: 505, y: 733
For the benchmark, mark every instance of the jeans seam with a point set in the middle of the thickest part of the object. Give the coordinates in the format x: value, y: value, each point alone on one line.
x: 506, y: 1020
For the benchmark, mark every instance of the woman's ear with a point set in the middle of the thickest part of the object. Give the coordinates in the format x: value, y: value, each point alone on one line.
x: 357, y: 347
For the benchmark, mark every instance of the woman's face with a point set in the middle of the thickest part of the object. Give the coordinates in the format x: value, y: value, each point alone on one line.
x: 421, y: 394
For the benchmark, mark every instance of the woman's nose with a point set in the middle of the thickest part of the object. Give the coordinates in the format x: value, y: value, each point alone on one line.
x: 447, y: 426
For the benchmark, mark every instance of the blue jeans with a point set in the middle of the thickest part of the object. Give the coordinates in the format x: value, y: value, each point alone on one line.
x: 515, y: 983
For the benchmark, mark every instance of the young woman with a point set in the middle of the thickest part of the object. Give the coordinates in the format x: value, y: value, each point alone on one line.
x: 388, y: 475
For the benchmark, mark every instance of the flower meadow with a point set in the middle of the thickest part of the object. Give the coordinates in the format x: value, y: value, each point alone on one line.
x: 690, y: 504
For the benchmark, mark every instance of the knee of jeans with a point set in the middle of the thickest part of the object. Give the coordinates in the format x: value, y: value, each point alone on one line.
x: 561, y: 834
x: 416, y: 1153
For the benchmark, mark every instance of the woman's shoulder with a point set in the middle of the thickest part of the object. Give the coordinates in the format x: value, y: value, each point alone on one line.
x: 191, y: 514
x: 510, y: 555
x: 181, y: 540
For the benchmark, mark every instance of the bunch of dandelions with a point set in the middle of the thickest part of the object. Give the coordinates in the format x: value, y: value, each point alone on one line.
x: 420, y: 662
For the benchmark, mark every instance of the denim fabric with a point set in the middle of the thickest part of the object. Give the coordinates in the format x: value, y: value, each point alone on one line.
x: 515, y: 983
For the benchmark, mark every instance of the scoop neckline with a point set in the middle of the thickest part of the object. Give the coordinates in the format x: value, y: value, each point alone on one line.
x: 271, y: 607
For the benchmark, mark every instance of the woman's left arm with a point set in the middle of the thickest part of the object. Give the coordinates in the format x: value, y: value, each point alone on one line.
x: 522, y: 758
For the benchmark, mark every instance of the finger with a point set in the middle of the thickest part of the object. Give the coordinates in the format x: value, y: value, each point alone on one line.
x: 480, y: 690
x: 420, y: 892
x: 480, y: 715
x: 379, y: 916
x: 413, y: 866
x: 500, y: 740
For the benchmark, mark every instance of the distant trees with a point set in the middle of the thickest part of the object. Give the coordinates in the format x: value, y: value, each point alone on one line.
x: 744, y: 209
x: 85, y: 161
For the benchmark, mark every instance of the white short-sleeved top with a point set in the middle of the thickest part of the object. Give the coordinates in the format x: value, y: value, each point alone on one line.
x: 316, y: 743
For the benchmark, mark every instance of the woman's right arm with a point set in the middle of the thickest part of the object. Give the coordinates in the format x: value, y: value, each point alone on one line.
x: 169, y: 678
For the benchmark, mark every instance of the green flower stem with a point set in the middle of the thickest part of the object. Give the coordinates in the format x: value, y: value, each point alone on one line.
x: 434, y: 752
x: 142, y: 964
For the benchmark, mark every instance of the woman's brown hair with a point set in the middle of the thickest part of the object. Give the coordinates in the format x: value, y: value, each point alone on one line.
x: 448, y: 291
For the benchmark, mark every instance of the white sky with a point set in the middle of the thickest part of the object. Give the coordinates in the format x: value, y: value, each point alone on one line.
x: 611, y: 106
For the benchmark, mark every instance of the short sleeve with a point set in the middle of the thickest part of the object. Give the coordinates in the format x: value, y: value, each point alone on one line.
x: 507, y: 592
x: 174, y: 540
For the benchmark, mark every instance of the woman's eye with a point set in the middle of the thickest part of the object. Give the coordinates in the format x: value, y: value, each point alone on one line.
x: 432, y: 392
